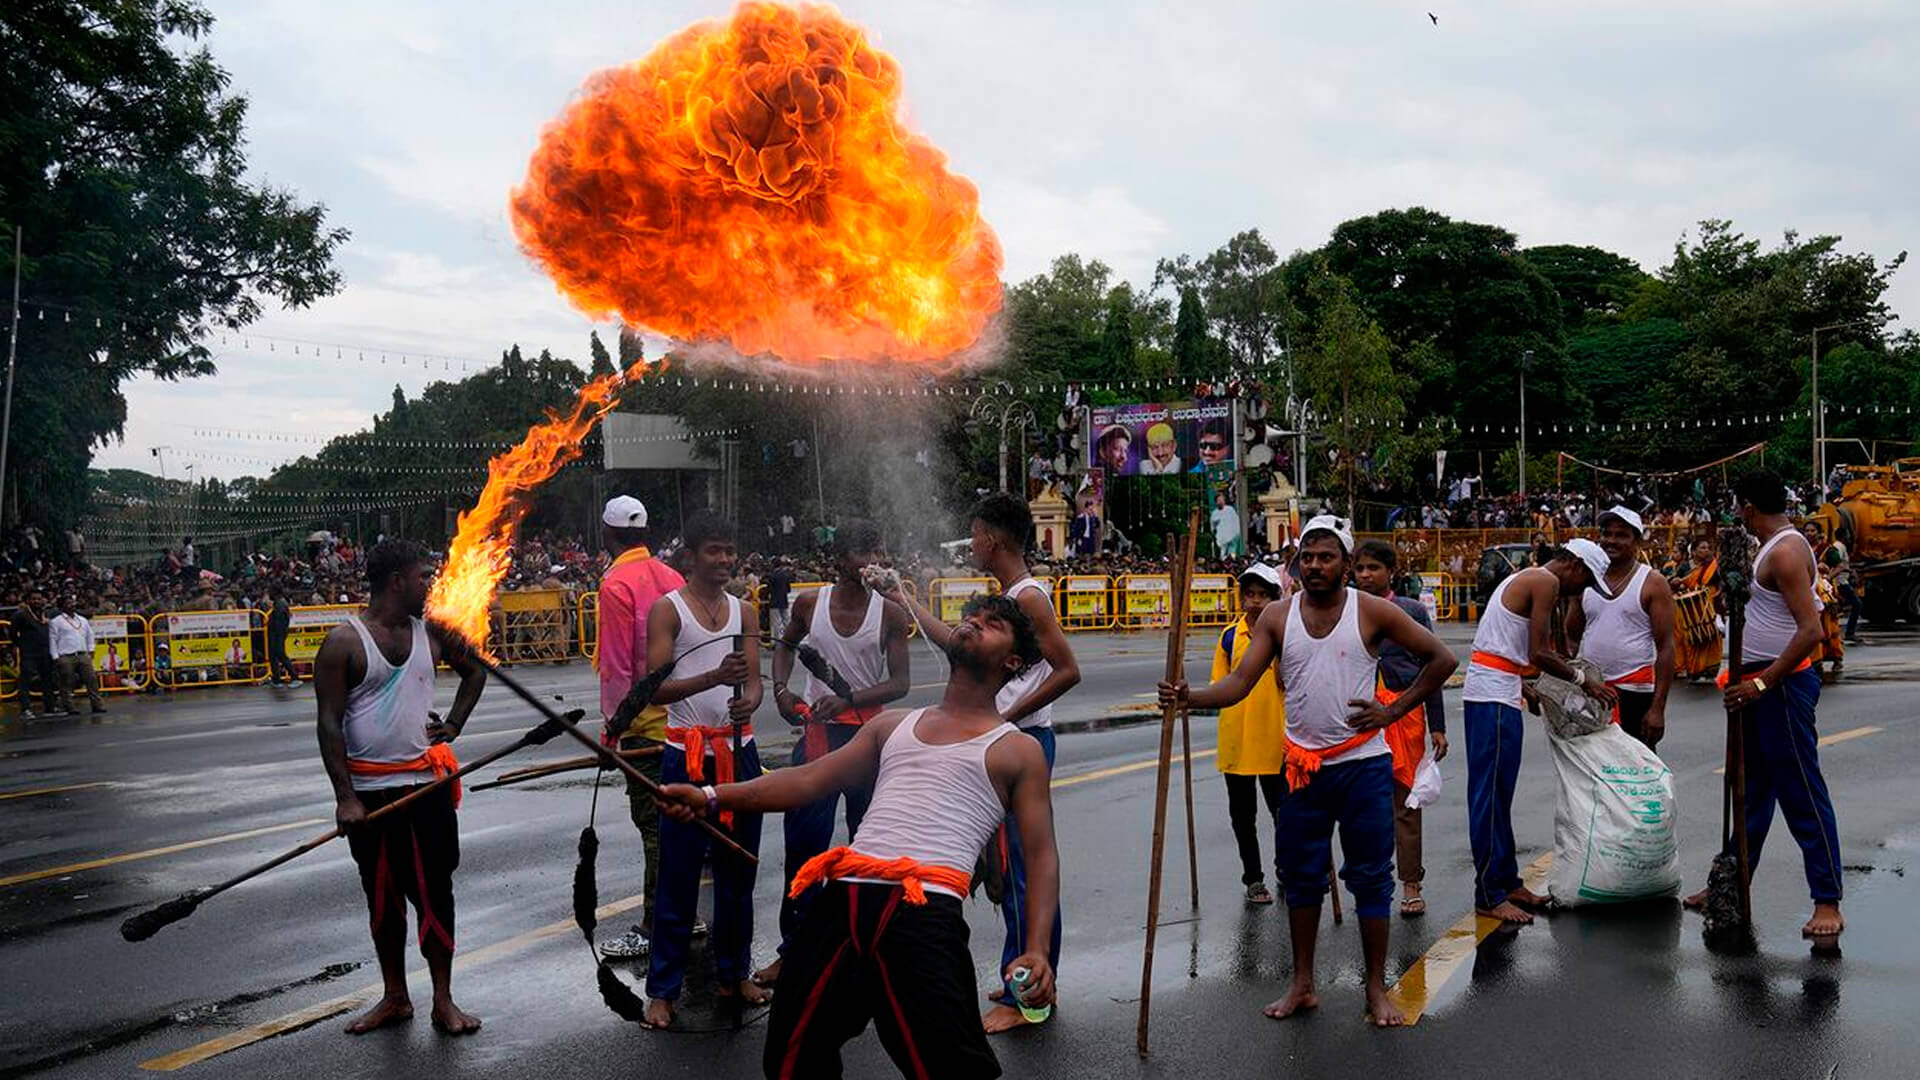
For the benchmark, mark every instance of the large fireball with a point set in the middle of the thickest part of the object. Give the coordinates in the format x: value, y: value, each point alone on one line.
x: 751, y: 182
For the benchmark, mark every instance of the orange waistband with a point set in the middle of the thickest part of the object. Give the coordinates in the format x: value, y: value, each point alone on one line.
x: 438, y: 760
x: 844, y: 862
x: 1406, y: 737
x: 1501, y: 663
x: 1640, y: 676
x: 1721, y: 680
x: 717, y: 740
x: 815, y: 734
x: 1302, y: 763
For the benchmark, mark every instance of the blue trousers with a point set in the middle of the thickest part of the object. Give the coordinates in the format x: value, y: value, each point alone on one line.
x: 1013, y: 906
x: 809, y: 831
x: 1493, y: 768
x: 1783, y: 766
x: 683, y: 853
x: 1356, y: 797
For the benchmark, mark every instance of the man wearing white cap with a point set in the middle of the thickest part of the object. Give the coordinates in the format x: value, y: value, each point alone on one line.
x: 1514, y: 640
x: 1339, y: 769
x: 627, y: 592
x: 1628, y: 632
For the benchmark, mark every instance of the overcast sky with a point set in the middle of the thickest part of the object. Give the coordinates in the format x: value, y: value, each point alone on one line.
x: 1112, y: 128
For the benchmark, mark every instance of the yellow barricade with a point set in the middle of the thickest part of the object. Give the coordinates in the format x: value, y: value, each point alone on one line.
x: 1146, y: 601
x: 588, y: 620
x: 9, y: 664
x: 1084, y: 603
x: 122, y: 649
x: 1212, y: 600
x: 947, y: 596
x: 208, y: 648
x: 307, y: 629
x: 531, y: 627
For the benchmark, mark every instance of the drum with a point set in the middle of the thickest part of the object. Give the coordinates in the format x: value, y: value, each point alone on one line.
x: 1697, y: 641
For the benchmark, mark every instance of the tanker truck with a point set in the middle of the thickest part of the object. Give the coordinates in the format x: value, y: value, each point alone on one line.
x: 1878, y: 517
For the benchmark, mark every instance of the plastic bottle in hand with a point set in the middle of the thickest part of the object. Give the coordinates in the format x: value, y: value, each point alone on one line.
x: 1033, y: 1016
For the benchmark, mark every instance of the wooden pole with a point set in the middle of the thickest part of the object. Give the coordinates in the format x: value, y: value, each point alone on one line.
x: 1193, y: 854
x: 1175, y: 672
x: 1736, y: 578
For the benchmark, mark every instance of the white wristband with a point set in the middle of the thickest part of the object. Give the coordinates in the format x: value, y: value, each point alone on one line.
x: 713, y: 798
x: 1579, y: 676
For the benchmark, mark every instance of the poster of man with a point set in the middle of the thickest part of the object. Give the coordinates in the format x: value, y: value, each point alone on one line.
x: 1162, y: 439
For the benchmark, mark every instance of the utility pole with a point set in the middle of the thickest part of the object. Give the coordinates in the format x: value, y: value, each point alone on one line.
x: 1819, y: 408
x: 13, y: 348
x: 1526, y: 358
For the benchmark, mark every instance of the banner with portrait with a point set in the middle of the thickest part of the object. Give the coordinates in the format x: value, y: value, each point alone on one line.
x: 1162, y: 439
x: 209, y: 639
x: 112, y: 648
x: 307, y: 628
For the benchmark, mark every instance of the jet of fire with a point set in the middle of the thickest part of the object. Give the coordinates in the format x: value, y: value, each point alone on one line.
x: 482, y: 548
x: 750, y: 181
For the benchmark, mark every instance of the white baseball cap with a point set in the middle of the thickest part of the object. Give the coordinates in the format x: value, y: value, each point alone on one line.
x: 1628, y: 517
x: 625, y: 512
x: 1589, y: 552
x: 1340, y: 527
x: 1264, y: 573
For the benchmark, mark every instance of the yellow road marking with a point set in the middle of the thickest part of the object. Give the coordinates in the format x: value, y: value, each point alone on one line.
x: 313, y: 1014
x: 152, y: 853
x: 1121, y: 770
x: 53, y: 790
x: 1419, y: 984
x: 1829, y: 740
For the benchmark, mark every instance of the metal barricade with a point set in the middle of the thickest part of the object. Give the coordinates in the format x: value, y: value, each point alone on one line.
x: 1084, y: 602
x: 207, y: 648
x: 948, y: 596
x: 530, y: 626
x: 1212, y: 600
x: 1146, y: 601
x: 307, y: 628
x: 588, y: 621
x: 122, y: 651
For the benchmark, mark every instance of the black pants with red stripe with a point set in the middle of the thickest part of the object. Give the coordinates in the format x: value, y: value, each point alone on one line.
x: 864, y: 954
x: 408, y: 857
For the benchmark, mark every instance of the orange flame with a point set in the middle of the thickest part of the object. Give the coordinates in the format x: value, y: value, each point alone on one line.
x: 751, y: 181
x: 482, y: 548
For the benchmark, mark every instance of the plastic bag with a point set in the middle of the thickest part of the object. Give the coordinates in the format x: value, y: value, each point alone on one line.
x: 1614, y: 824
x: 1426, y: 782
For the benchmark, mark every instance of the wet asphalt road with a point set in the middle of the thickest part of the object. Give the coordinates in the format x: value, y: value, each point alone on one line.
x: 1617, y: 993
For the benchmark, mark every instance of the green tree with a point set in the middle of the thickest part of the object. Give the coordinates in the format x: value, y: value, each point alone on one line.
x: 124, y: 164
x: 602, y: 360
x: 1594, y: 285
x: 1194, y: 349
x: 1243, y: 292
x: 1057, y: 322
x: 1347, y: 376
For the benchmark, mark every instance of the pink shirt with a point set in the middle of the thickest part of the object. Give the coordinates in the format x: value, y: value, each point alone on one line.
x: 627, y: 592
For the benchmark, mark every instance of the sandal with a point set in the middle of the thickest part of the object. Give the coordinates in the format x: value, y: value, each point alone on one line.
x: 1413, y: 907
x: 1257, y: 893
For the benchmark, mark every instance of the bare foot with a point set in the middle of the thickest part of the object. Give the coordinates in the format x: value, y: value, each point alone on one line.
x: 1506, y: 912
x: 1299, y: 999
x: 450, y: 1019
x: 1696, y: 902
x: 1526, y: 898
x: 768, y: 975
x: 1002, y: 1018
x: 747, y: 991
x: 659, y: 1014
x: 1381, y: 1011
x: 1826, y: 922
x: 387, y: 1011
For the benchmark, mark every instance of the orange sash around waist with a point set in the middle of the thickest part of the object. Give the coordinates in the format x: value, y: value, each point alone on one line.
x: 1501, y: 663
x: 438, y: 760
x: 844, y: 862
x: 717, y: 740
x: 1302, y: 763
x: 1406, y: 737
x: 1721, y: 680
x: 814, y: 737
x: 1641, y: 676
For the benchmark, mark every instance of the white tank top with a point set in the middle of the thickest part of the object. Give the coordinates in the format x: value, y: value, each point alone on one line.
x: 1501, y: 633
x: 858, y: 657
x: 708, y: 708
x: 1619, y: 637
x: 1018, y: 687
x: 1322, y: 676
x: 1770, y: 624
x: 386, y: 717
x: 933, y: 804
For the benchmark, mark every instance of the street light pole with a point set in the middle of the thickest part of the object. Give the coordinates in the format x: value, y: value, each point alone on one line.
x: 1819, y: 409
x: 1526, y: 358
x: 13, y: 346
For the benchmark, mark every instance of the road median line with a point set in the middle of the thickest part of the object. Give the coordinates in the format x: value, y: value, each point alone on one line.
x: 154, y: 853
x: 1421, y: 983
